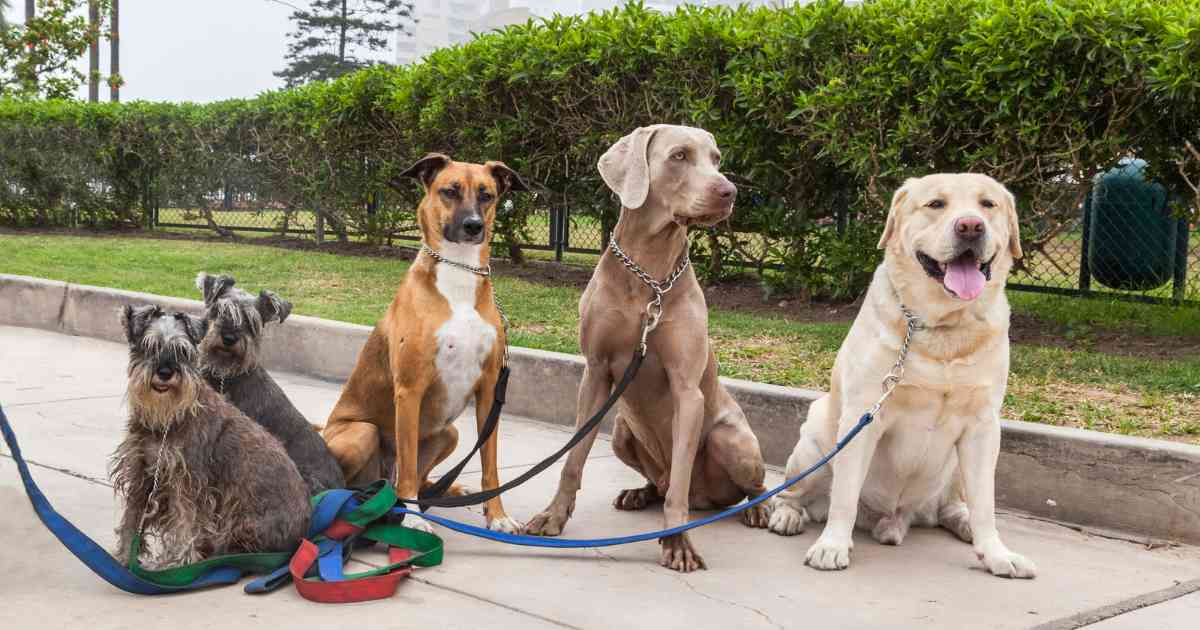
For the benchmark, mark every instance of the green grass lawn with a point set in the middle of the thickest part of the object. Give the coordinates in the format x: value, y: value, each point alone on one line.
x: 1072, y: 386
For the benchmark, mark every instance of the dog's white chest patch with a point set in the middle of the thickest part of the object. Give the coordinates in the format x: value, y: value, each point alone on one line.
x: 465, y: 340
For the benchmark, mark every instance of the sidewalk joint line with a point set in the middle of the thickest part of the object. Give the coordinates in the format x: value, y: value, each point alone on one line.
x: 1137, y: 602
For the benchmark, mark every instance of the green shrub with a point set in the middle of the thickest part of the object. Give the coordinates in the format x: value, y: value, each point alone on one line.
x: 821, y: 111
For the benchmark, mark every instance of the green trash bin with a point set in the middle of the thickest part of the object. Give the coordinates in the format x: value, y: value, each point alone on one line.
x: 1130, y: 237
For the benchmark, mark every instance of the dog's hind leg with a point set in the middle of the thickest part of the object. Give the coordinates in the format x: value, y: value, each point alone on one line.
x: 952, y: 513
x: 734, y: 469
x: 788, y: 509
x: 633, y: 454
x: 355, y: 446
x: 432, y: 451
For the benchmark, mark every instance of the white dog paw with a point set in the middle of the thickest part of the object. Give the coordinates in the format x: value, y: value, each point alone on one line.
x: 828, y: 555
x: 412, y: 521
x: 785, y: 519
x: 507, y: 525
x: 1004, y: 563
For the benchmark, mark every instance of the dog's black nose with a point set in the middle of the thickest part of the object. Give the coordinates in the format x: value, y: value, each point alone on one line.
x: 472, y: 225
x: 165, y: 372
x: 229, y: 339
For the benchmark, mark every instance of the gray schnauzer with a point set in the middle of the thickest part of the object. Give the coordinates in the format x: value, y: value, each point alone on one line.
x: 197, y: 476
x: 229, y: 350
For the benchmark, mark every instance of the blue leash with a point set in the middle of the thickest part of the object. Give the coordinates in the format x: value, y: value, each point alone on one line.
x: 86, y: 549
x: 575, y: 543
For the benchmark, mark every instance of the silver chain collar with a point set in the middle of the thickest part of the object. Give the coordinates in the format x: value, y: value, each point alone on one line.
x: 484, y: 272
x: 912, y: 323
x: 654, y: 308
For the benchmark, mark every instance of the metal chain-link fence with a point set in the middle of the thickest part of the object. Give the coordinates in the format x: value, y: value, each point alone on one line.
x: 1126, y: 237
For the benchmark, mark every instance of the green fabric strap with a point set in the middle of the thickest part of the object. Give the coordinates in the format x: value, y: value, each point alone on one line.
x: 186, y: 574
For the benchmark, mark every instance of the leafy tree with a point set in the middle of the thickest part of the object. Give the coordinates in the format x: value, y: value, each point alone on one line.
x: 37, y: 58
x: 331, y: 34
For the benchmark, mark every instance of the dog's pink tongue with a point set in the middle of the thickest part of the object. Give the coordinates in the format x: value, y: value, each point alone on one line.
x: 964, y: 278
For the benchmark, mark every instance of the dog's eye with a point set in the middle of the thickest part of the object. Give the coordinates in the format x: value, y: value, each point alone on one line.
x: 450, y: 193
x: 484, y: 196
x: 988, y: 203
x: 679, y: 156
x: 936, y: 204
x: 716, y: 158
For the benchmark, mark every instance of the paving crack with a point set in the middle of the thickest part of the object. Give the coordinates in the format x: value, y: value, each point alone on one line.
x: 65, y: 471
x: 475, y: 597
x: 62, y: 400
x: 679, y: 578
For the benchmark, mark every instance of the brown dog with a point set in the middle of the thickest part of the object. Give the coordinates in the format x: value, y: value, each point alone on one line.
x: 440, y: 344
x: 676, y: 424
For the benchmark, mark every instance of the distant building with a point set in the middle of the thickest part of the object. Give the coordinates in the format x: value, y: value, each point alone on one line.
x: 440, y: 23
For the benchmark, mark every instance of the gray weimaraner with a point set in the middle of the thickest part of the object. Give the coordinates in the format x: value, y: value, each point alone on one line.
x: 676, y: 424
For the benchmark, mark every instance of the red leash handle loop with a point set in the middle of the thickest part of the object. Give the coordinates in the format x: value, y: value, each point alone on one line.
x: 357, y: 590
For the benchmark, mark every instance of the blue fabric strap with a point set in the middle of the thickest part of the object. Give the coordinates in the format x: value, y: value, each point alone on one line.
x: 570, y: 543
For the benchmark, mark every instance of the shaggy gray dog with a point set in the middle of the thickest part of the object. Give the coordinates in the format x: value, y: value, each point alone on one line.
x: 197, y: 476
x: 229, y: 356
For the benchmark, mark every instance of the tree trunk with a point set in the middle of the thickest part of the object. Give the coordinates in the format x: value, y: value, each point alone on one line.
x: 30, y: 14
x: 114, y: 44
x: 93, y: 51
x: 342, y: 38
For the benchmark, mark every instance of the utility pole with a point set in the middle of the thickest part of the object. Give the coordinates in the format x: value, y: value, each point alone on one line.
x: 93, y: 51
x: 114, y: 47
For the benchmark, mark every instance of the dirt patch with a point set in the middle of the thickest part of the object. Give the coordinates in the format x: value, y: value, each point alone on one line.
x: 1029, y: 330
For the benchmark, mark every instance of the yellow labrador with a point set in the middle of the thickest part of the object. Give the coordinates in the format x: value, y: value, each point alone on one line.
x: 950, y: 241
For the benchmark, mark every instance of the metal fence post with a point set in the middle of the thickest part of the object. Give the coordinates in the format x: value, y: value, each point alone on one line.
x: 557, y: 218
x: 1085, y: 271
x: 1179, y: 287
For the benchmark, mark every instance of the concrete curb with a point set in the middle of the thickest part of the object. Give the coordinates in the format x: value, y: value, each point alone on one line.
x: 1147, y: 488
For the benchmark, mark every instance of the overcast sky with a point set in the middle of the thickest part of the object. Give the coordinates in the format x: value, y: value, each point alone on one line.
x: 208, y: 50
x: 184, y: 50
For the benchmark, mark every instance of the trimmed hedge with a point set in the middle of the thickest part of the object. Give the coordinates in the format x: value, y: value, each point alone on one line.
x: 821, y: 110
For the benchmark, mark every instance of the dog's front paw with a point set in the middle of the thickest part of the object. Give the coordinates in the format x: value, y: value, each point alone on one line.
x: 758, y: 516
x: 1004, y: 563
x: 504, y: 524
x: 679, y: 555
x: 412, y: 521
x: 828, y: 555
x: 548, y: 523
x: 785, y: 519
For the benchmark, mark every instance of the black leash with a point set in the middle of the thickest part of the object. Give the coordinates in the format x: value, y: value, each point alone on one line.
x: 431, y: 497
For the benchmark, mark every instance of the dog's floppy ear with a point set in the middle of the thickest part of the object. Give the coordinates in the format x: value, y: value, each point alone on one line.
x: 135, y: 320
x: 1014, y: 226
x: 272, y: 307
x: 506, y: 178
x: 889, y: 229
x: 625, y: 167
x: 213, y: 287
x: 425, y: 169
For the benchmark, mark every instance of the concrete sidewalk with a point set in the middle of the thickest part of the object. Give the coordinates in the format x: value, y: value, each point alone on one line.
x: 63, y: 396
